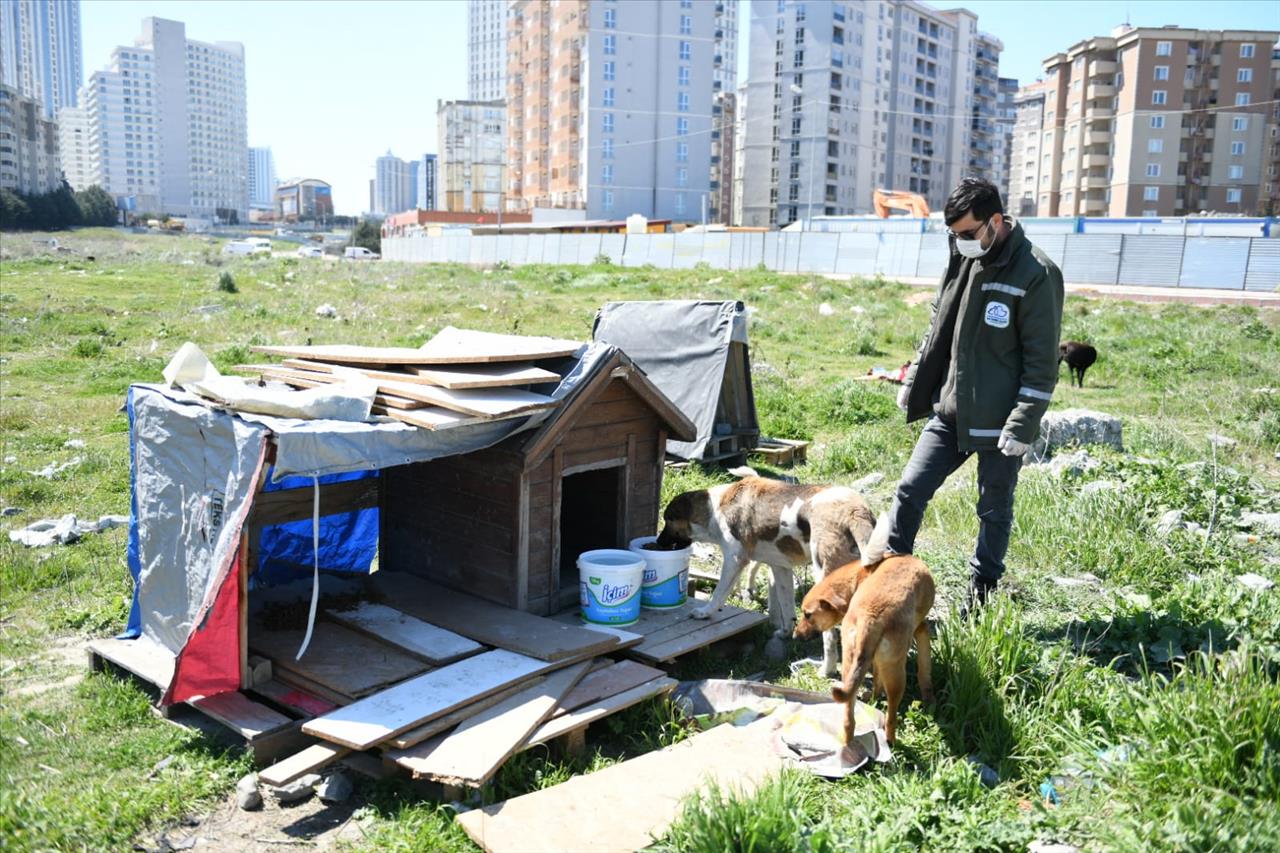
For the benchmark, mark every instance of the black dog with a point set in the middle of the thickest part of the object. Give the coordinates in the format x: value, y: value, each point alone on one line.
x: 1079, y: 357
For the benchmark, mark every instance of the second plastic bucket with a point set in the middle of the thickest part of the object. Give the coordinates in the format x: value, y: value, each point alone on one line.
x: 666, y: 575
x: 609, y: 586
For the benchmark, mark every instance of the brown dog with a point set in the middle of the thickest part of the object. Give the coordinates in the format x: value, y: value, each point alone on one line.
x: 879, y: 611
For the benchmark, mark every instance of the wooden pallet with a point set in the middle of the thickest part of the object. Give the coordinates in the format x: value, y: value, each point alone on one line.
x: 782, y: 452
x: 669, y: 634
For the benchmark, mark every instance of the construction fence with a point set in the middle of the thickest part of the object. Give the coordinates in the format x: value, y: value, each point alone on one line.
x: 1224, y: 263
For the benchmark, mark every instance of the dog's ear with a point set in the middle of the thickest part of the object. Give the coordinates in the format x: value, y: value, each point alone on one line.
x: 834, y: 601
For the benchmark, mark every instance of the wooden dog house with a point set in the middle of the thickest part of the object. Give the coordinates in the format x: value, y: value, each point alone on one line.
x: 507, y: 523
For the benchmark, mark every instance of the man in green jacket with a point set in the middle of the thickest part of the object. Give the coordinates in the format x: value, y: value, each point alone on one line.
x: 984, y: 376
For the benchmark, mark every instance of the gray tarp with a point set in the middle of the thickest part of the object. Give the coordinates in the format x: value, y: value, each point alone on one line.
x: 682, y: 346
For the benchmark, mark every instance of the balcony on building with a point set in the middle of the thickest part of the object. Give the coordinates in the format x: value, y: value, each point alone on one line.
x: 1102, y: 68
x: 1095, y: 180
x: 1099, y: 160
x: 1098, y: 137
x: 1100, y: 90
x: 1099, y: 113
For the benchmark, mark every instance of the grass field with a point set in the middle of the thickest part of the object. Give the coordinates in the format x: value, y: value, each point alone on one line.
x: 1171, y: 662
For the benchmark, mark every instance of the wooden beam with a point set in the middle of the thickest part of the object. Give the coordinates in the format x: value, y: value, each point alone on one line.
x: 284, y: 505
x: 461, y: 715
x: 564, y: 723
x: 457, y: 378
x: 437, y: 646
x: 299, y: 764
x: 247, y: 718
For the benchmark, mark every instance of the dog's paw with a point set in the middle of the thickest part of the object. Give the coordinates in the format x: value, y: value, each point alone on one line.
x: 703, y: 612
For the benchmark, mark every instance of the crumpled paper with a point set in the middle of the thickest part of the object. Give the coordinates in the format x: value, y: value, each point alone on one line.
x: 63, y: 531
x: 349, y: 400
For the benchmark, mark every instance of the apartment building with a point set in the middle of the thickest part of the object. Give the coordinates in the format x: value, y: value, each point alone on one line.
x: 724, y: 110
x: 1006, y: 117
x: 262, y: 179
x: 739, y: 140
x: 1156, y: 122
x: 28, y: 145
x: 73, y: 147
x: 1025, y: 155
x: 167, y: 125
x: 486, y: 50
x: 393, y: 185
x: 41, y: 55
x: 1270, y: 205
x: 472, y: 154
x: 306, y: 199
x: 424, y: 177
x: 984, y: 134
x: 845, y: 97
x: 614, y: 107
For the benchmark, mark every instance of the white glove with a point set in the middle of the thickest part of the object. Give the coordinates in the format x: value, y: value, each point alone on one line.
x: 903, y: 392
x: 1010, y: 446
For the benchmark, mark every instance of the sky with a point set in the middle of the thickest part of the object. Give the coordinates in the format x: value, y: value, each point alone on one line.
x: 333, y: 85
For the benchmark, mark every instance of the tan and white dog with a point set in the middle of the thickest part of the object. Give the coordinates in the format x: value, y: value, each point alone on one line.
x: 782, y: 524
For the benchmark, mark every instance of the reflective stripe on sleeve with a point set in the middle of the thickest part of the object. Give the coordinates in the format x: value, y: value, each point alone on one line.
x: 1004, y: 288
x: 1024, y: 391
x: 985, y: 433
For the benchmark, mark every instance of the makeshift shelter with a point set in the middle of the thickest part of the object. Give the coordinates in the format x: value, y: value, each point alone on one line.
x: 697, y: 353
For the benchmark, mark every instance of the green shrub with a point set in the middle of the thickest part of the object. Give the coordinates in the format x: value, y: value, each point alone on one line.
x: 227, y: 282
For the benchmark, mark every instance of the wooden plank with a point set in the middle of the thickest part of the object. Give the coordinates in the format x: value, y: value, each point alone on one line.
x: 453, y: 718
x: 473, y: 752
x: 348, y: 354
x: 305, y: 685
x: 571, y: 721
x: 494, y: 376
x: 674, y: 632
x: 608, y: 681
x: 338, y: 658
x: 295, y: 699
x: 480, y: 402
x: 491, y: 624
x: 299, y: 764
x: 430, y: 417
x: 238, y: 712
x: 142, y: 657
x: 283, y: 505
x: 626, y: 806
x: 397, y: 709
x: 433, y: 644
x: 705, y: 636
x: 465, y: 346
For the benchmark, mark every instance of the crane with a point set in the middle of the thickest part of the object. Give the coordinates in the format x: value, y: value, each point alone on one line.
x: 884, y: 200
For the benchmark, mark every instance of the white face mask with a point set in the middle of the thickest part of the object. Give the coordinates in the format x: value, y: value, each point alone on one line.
x: 974, y: 248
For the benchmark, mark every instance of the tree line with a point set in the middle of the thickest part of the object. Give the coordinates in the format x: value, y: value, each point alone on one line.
x: 60, y: 208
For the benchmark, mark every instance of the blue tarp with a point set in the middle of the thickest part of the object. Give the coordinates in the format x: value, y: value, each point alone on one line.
x: 348, y: 541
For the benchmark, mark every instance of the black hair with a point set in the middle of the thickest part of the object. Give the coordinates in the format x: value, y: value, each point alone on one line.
x: 973, y: 195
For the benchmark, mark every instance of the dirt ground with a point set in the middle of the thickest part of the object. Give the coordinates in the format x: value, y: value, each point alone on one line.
x: 310, y: 825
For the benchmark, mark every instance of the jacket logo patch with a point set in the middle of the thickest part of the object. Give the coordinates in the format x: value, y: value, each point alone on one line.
x: 997, y: 315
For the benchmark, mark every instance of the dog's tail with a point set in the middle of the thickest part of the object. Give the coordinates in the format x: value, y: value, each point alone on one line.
x: 866, y: 637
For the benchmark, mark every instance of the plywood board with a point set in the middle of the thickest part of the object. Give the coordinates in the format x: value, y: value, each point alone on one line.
x: 313, y: 379
x: 607, y: 681
x: 348, y: 354
x: 627, y: 806
x: 464, y: 346
x: 473, y: 752
x: 246, y: 717
x: 453, y: 718
x: 493, y: 624
x: 299, y: 701
x: 480, y: 402
x: 435, y: 645
x: 668, y: 634
x: 397, y: 709
x: 299, y: 764
x: 563, y: 724
x: 429, y: 417
x: 488, y: 376
x: 337, y: 658
x: 147, y: 660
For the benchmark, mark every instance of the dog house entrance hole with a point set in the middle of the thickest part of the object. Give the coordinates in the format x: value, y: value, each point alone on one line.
x: 589, y: 518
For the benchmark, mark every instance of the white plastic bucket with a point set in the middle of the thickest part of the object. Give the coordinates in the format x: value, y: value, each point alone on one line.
x: 609, y: 586
x: 666, y: 575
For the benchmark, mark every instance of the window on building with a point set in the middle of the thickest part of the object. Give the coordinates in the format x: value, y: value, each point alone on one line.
x: 1246, y: 51
x: 680, y: 203
x: 1159, y: 97
x: 1244, y: 75
x: 1151, y: 194
x: 686, y: 51
x: 682, y: 177
x: 610, y: 70
x: 1162, y: 72
x: 607, y: 200
x: 1235, y: 173
x: 682, y: 75
x: 686, y: 4
x: 1233, y: 195
x: 1164, y: 48
x: 1157, y: 122
x: 1155, y: 146
x: 1242, y: 99
x: 686, y: 25
x: 606, y: 148
x: 682, y: 127
x: 1240, y: 123
x: 606, y: 121
x: 607, y: 97
x: 606, y: 174
x: 1153, y: 170
x: 682, y: 152
x: 610, y: 19
x: 795, y: 126
x: 682, y: 102
x: 1237, y: 148
x: 610, y: 45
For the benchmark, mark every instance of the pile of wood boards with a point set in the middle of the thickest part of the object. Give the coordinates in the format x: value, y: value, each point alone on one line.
x: 441, y: 684
x: 458, y: 377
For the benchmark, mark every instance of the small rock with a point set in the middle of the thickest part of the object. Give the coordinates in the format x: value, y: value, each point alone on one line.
x: 826, y: 310
x: 1169, y: 522
x: 858, y: 309
x: 1265, y: 522
x: 1086, y: 579
x: 1255, y: 581
x: 1218, y: 440
x: 296, y: 791
x: 1100, y: 486
x: 74, y: 444
x: 336, y: 788
x: 989, y: 777
x: 161, y: 766
x: 9, y: 460
x: 248, y: 797
x: 326, y: 310
x: 1075, y: 426
x: 775, y: 649
x: 11, y: 511
x: 868, y: 482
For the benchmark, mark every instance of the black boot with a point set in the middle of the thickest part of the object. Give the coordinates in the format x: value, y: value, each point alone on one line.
x: 980, y: 589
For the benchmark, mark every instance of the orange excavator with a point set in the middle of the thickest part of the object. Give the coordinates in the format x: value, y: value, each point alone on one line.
x: 885, y: 200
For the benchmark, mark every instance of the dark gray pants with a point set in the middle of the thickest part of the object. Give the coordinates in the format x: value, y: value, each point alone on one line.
x: 936, y: 458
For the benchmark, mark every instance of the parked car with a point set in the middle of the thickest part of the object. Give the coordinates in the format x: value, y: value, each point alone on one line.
x: 359, y: 253
x: 310, y: 252
x: 247, y: 247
